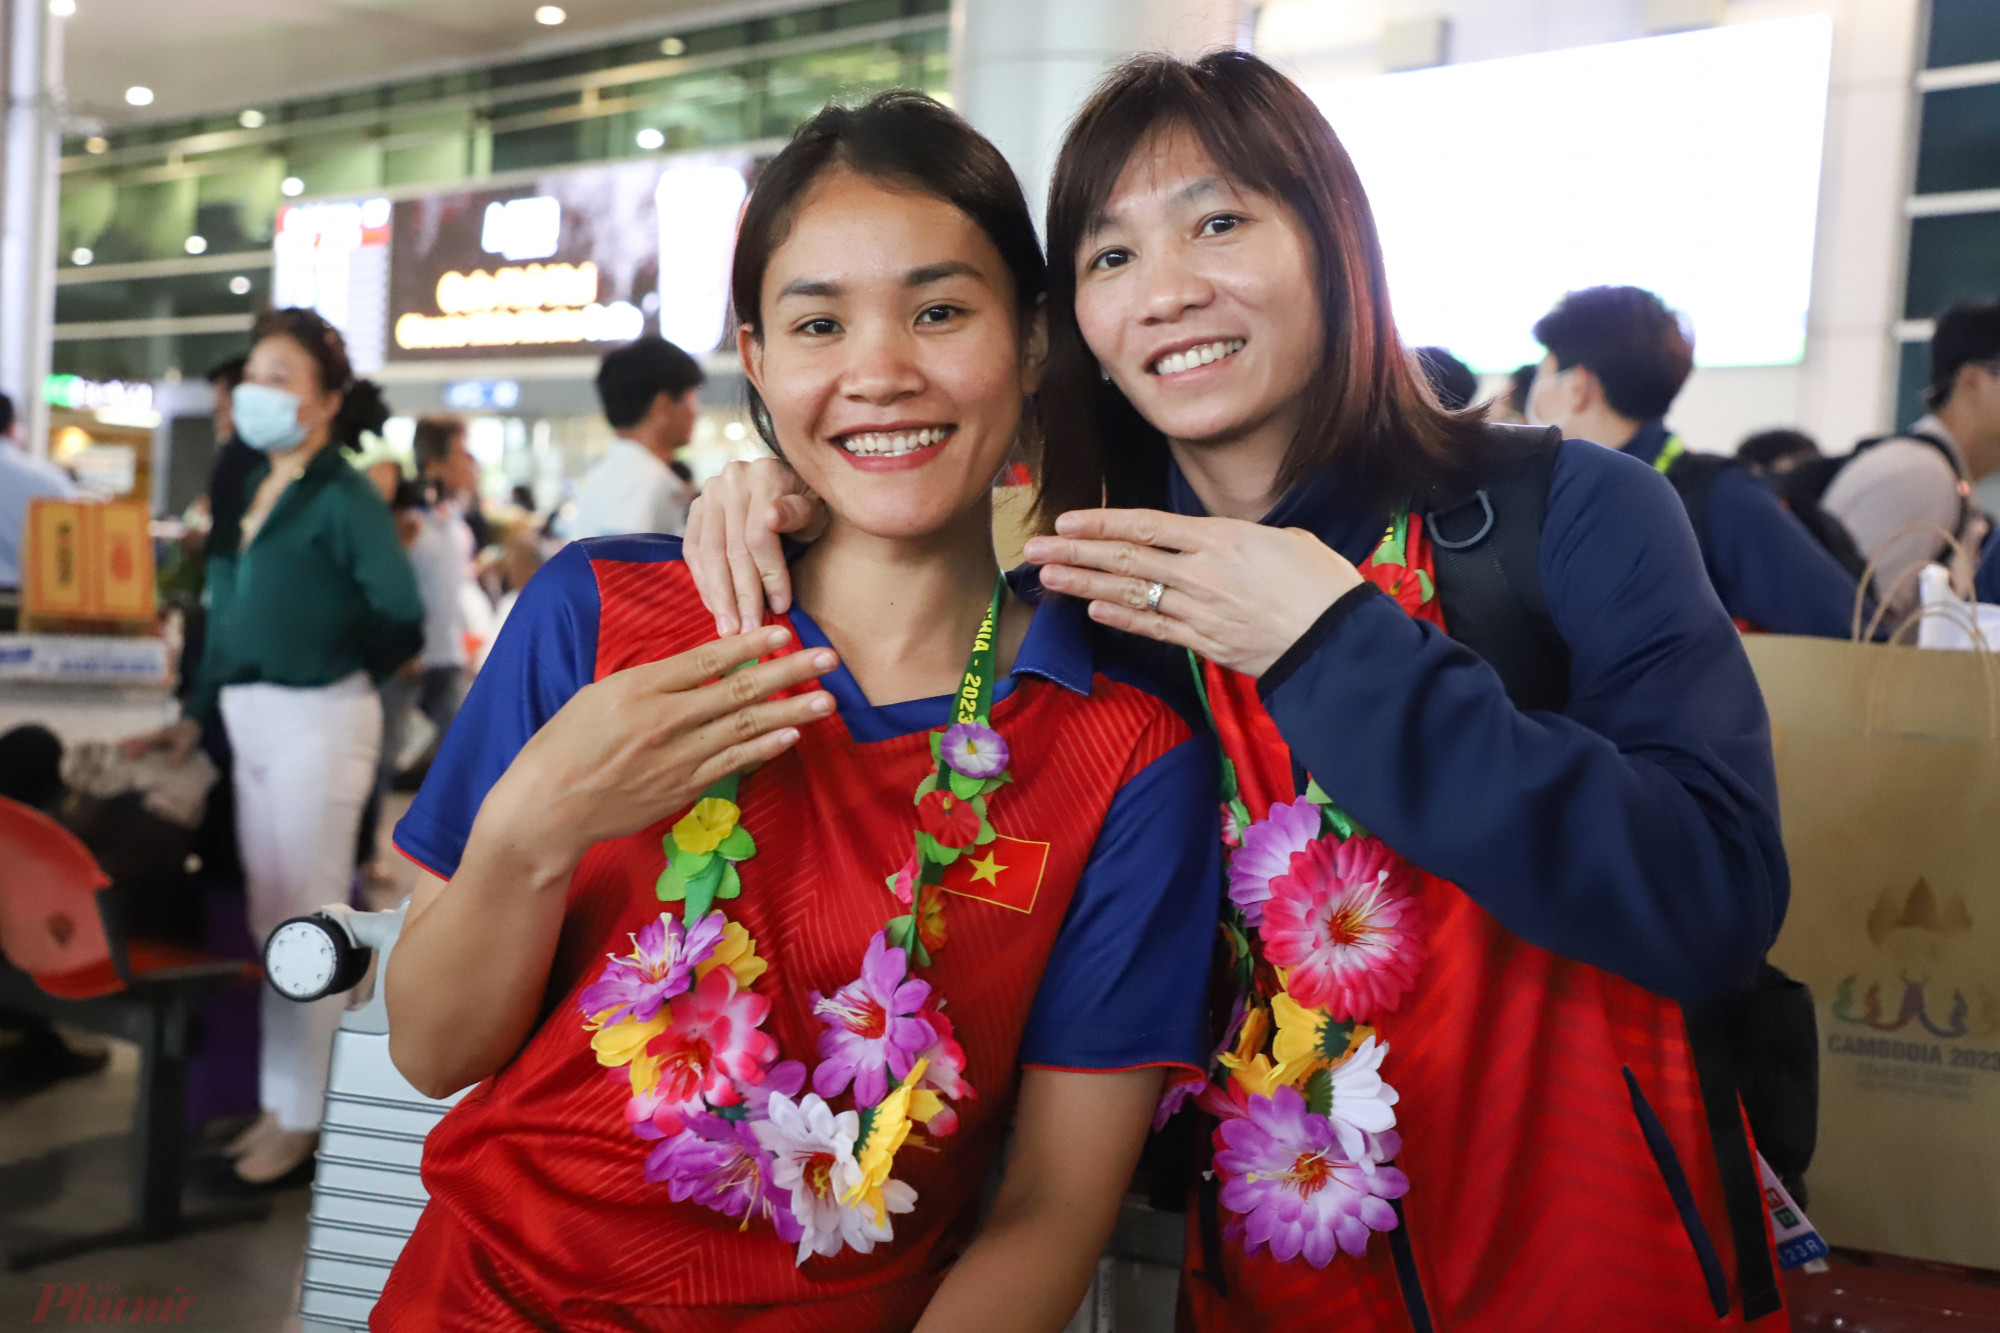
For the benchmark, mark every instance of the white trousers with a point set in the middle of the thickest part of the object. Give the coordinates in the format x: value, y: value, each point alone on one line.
x: 305, y: 762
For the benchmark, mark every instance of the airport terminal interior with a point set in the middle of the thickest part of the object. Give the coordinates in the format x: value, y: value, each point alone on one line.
x: 1752, y: 244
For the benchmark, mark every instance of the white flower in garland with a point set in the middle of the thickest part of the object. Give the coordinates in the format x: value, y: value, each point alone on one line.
x: 812, y: 1152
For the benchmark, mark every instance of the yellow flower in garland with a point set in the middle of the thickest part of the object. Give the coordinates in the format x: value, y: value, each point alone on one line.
x: 737, y: 952
x: 703, y: 828
x: 620, y: 1043
x: 1310, y: 1036
x: 884, y: 1128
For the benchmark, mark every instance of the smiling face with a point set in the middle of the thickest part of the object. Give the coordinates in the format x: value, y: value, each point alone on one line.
x: 890, y: 356
x: 1197, y: 297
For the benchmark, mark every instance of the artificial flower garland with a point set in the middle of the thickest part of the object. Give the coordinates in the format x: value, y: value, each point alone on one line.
x: 677, y: 1021
x: 1323, y: 933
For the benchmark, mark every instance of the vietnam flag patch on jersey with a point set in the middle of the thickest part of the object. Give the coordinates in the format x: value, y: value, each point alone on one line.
x: 1006, y: 872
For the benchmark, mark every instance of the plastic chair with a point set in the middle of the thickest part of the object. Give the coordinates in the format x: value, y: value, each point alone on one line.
x: 367, y: 1194
x: 69, y: 959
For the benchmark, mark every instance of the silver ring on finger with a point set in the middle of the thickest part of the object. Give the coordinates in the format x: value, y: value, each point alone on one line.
x: 1153, y: 595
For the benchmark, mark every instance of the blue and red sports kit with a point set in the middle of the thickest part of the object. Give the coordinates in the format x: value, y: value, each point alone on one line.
x: 1085, y: 949
x: 1583, y: 873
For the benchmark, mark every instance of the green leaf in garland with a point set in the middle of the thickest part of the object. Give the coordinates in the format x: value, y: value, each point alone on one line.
x: 701, y: 888
x: 993, y: 784
x: 902, y: 932
x: 1240, y: 811
x: 671, y: 886
x: 1319, y: 1092
x: 926, y: 787
x: 738, y: 846
x: 931, y: 849
x: 1338, y: 820
x: 929, y: 872
x: 1315, y: 793
x: 1230, y: 787
x: 963, y: 787
x: 1424, y: 583
x: 732, y: 882
x: 937, y: 748
x: 692, y: 863
x: 739, y: 1111
x: 1333, y: 1039
x: 986, y: 833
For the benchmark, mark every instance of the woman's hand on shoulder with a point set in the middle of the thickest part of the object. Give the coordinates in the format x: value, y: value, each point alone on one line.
x: 645, y: 742
x: 732, y: 544
x: 1238, y: 593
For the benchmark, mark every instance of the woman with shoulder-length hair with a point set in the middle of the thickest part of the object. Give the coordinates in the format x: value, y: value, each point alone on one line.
x: 754, y: 979
x: 1482, y: 906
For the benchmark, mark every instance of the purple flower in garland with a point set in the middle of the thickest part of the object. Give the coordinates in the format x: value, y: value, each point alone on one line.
x: 975, y: 751
x: 1286, y: 1178
x: 1266, y: 853
x: 871, y: 1026
x: 720, y: 1164
x: 662, y: 960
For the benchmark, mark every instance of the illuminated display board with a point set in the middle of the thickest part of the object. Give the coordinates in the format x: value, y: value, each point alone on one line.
x: 566, y: 264
x: 1686, y: 164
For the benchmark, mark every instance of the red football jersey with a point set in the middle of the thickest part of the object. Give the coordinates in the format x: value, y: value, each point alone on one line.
x: 1526, y: 1082
x: 1079, y: 941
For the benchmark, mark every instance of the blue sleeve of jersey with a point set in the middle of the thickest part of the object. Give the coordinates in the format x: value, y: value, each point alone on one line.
x: 1768, y: 569
x: 546, y: 652
x: 1637, y: 831
x: 1127, y: 982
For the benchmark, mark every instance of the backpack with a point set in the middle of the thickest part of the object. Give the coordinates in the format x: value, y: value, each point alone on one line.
x: 1761, y: 1044
x: 1693, y: 475
x: 1803, y: 490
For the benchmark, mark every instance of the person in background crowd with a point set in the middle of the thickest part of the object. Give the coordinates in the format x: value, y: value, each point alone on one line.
x: 1773, y: 453
x: 1986, y: 582
x: 433, y: 682
x: 648, y: 389
x: 1617, y: 358
x: 310, y: 598
x: 1452, y: 382
x: 234, y: 460
x: 1925, y: 475
x: 23, y: 479
x: 1790, y: 462
x: 33, y: 1055
x: 1511, y: 408
x: 1599, y: 865
x: 387, y: 474
x: 520, y: 556
x: 449, y: 472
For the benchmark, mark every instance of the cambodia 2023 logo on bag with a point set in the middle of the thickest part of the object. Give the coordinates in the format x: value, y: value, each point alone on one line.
x: 1929, y: 992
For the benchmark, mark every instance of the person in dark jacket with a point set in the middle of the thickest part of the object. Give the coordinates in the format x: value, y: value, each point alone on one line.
x: 1617, y: 358
x: 1591, y: 874
x: 311, y: 598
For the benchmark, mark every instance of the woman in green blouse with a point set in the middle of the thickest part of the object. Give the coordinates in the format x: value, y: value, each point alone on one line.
x: 309, y: 604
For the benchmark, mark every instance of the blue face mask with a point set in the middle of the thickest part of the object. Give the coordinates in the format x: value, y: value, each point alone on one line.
x: 267, y: 418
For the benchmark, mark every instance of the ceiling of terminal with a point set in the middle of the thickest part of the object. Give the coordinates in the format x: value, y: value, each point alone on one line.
x: 200, y: 56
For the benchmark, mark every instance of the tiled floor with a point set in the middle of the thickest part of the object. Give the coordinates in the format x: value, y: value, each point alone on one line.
x: 63, y: 1160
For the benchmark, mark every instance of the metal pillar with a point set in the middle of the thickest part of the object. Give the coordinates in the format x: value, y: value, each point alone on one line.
x: 1020, y: 68
x: 31, y: 62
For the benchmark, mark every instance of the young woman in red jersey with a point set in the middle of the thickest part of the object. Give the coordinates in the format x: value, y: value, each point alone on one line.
x: 752, y: 977
x: 1486, y: 923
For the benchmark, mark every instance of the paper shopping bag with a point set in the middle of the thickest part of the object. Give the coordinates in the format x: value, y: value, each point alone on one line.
x: 1889, y: 789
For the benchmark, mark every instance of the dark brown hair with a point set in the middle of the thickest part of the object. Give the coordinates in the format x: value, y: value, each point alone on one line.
x: 1368, y: 413
x: 904, y: 138
x: 1628, y: 338
x: 361, y: 405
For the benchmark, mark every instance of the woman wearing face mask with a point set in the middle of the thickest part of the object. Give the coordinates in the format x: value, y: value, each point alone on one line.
x: 747, y: 1038
x: 1470, y: 1079
x: 311, y: 599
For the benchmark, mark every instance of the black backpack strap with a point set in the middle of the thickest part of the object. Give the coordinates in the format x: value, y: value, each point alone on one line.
x: 1486, y: 543
x: 1693, y: 476
x: 1711, y: 1041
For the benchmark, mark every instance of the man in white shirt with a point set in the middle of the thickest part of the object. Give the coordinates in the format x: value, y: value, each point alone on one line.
x: 1925, y: 475
x: 648, y: 389
x: 23, y: 478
